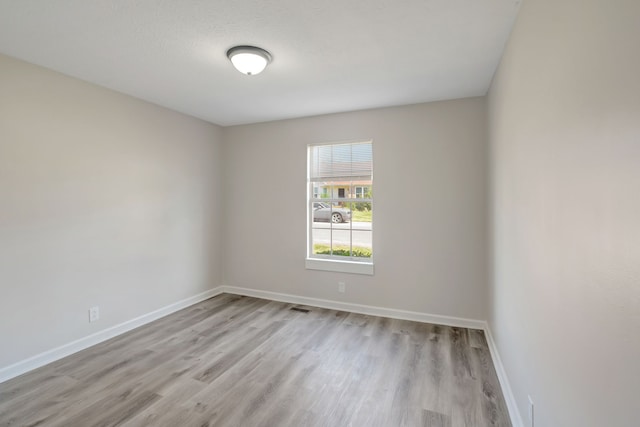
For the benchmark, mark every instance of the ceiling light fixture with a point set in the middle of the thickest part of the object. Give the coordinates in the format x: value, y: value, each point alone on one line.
x: 249, y: 60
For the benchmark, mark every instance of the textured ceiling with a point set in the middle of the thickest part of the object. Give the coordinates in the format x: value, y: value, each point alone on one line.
x: 328, y: 56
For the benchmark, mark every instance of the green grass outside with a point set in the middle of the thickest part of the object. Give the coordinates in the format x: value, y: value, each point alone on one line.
x: 338, y: 250
x: 361, y: 216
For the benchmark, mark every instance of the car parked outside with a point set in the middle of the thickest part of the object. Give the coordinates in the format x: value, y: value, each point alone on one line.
x: 335, y: 214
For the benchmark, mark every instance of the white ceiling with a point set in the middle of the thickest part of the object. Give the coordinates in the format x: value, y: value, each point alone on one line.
x: 328, y: 55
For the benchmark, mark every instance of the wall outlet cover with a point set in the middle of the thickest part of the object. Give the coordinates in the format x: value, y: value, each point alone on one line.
x: 94, y: 314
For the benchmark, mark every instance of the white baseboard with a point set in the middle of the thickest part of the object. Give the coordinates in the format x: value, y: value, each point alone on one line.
x: 514, y: 413
x: 358, y: 308
x: 52, y: 355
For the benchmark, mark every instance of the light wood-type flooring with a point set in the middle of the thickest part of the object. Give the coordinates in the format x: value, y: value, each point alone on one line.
x: 241, y: 361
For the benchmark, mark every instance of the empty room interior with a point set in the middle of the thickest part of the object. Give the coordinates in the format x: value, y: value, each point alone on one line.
x: 337, y: 213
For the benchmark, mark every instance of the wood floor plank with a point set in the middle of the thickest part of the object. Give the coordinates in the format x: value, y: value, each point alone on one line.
x: 492, y: 403
x: 19, y: 408
x: 435, y: 419
x: 477, y: 339
x: 240, y: 361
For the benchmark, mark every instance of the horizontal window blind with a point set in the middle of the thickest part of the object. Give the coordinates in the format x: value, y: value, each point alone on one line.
x: 350, y: 161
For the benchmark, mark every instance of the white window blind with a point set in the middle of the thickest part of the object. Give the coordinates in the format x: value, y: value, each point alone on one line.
x: 333, y: 162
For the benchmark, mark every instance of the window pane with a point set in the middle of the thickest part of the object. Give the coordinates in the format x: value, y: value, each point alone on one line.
x: 341, y: 230
x: 362, y: 213
x: 361, y: 241
x: 321, y: 228
x: 361, y: 229
x: 341, y: 240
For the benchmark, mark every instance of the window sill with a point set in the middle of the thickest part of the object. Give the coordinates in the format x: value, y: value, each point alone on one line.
x: 339, y: 266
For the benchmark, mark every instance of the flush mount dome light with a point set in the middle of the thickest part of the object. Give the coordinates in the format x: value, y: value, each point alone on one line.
x: 249, y: 60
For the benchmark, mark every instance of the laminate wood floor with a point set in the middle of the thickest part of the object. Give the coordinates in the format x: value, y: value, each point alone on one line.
x: 240, y: 361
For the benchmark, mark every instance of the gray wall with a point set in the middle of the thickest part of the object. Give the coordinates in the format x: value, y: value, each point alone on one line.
x: 105, y: 200
x: 565, y: 143
x: 429, y: 211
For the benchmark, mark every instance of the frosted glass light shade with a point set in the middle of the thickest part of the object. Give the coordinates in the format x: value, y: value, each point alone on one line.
x: 249, y: 60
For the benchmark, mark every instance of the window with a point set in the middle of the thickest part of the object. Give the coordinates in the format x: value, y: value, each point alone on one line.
x: 340, y: 201
x: 361, y: 192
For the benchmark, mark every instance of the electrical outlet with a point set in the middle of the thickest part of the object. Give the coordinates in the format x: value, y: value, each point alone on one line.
x: 531, y: 418
x: 342, y: 286
x: 94, y: 314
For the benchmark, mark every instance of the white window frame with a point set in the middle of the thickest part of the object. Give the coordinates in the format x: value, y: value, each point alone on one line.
x: 363, y: 192
x: 328, y: 262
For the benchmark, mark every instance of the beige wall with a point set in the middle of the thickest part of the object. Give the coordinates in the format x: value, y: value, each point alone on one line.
x: 429, y: 210
x: 565, y: 141
x: 105, y: 200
